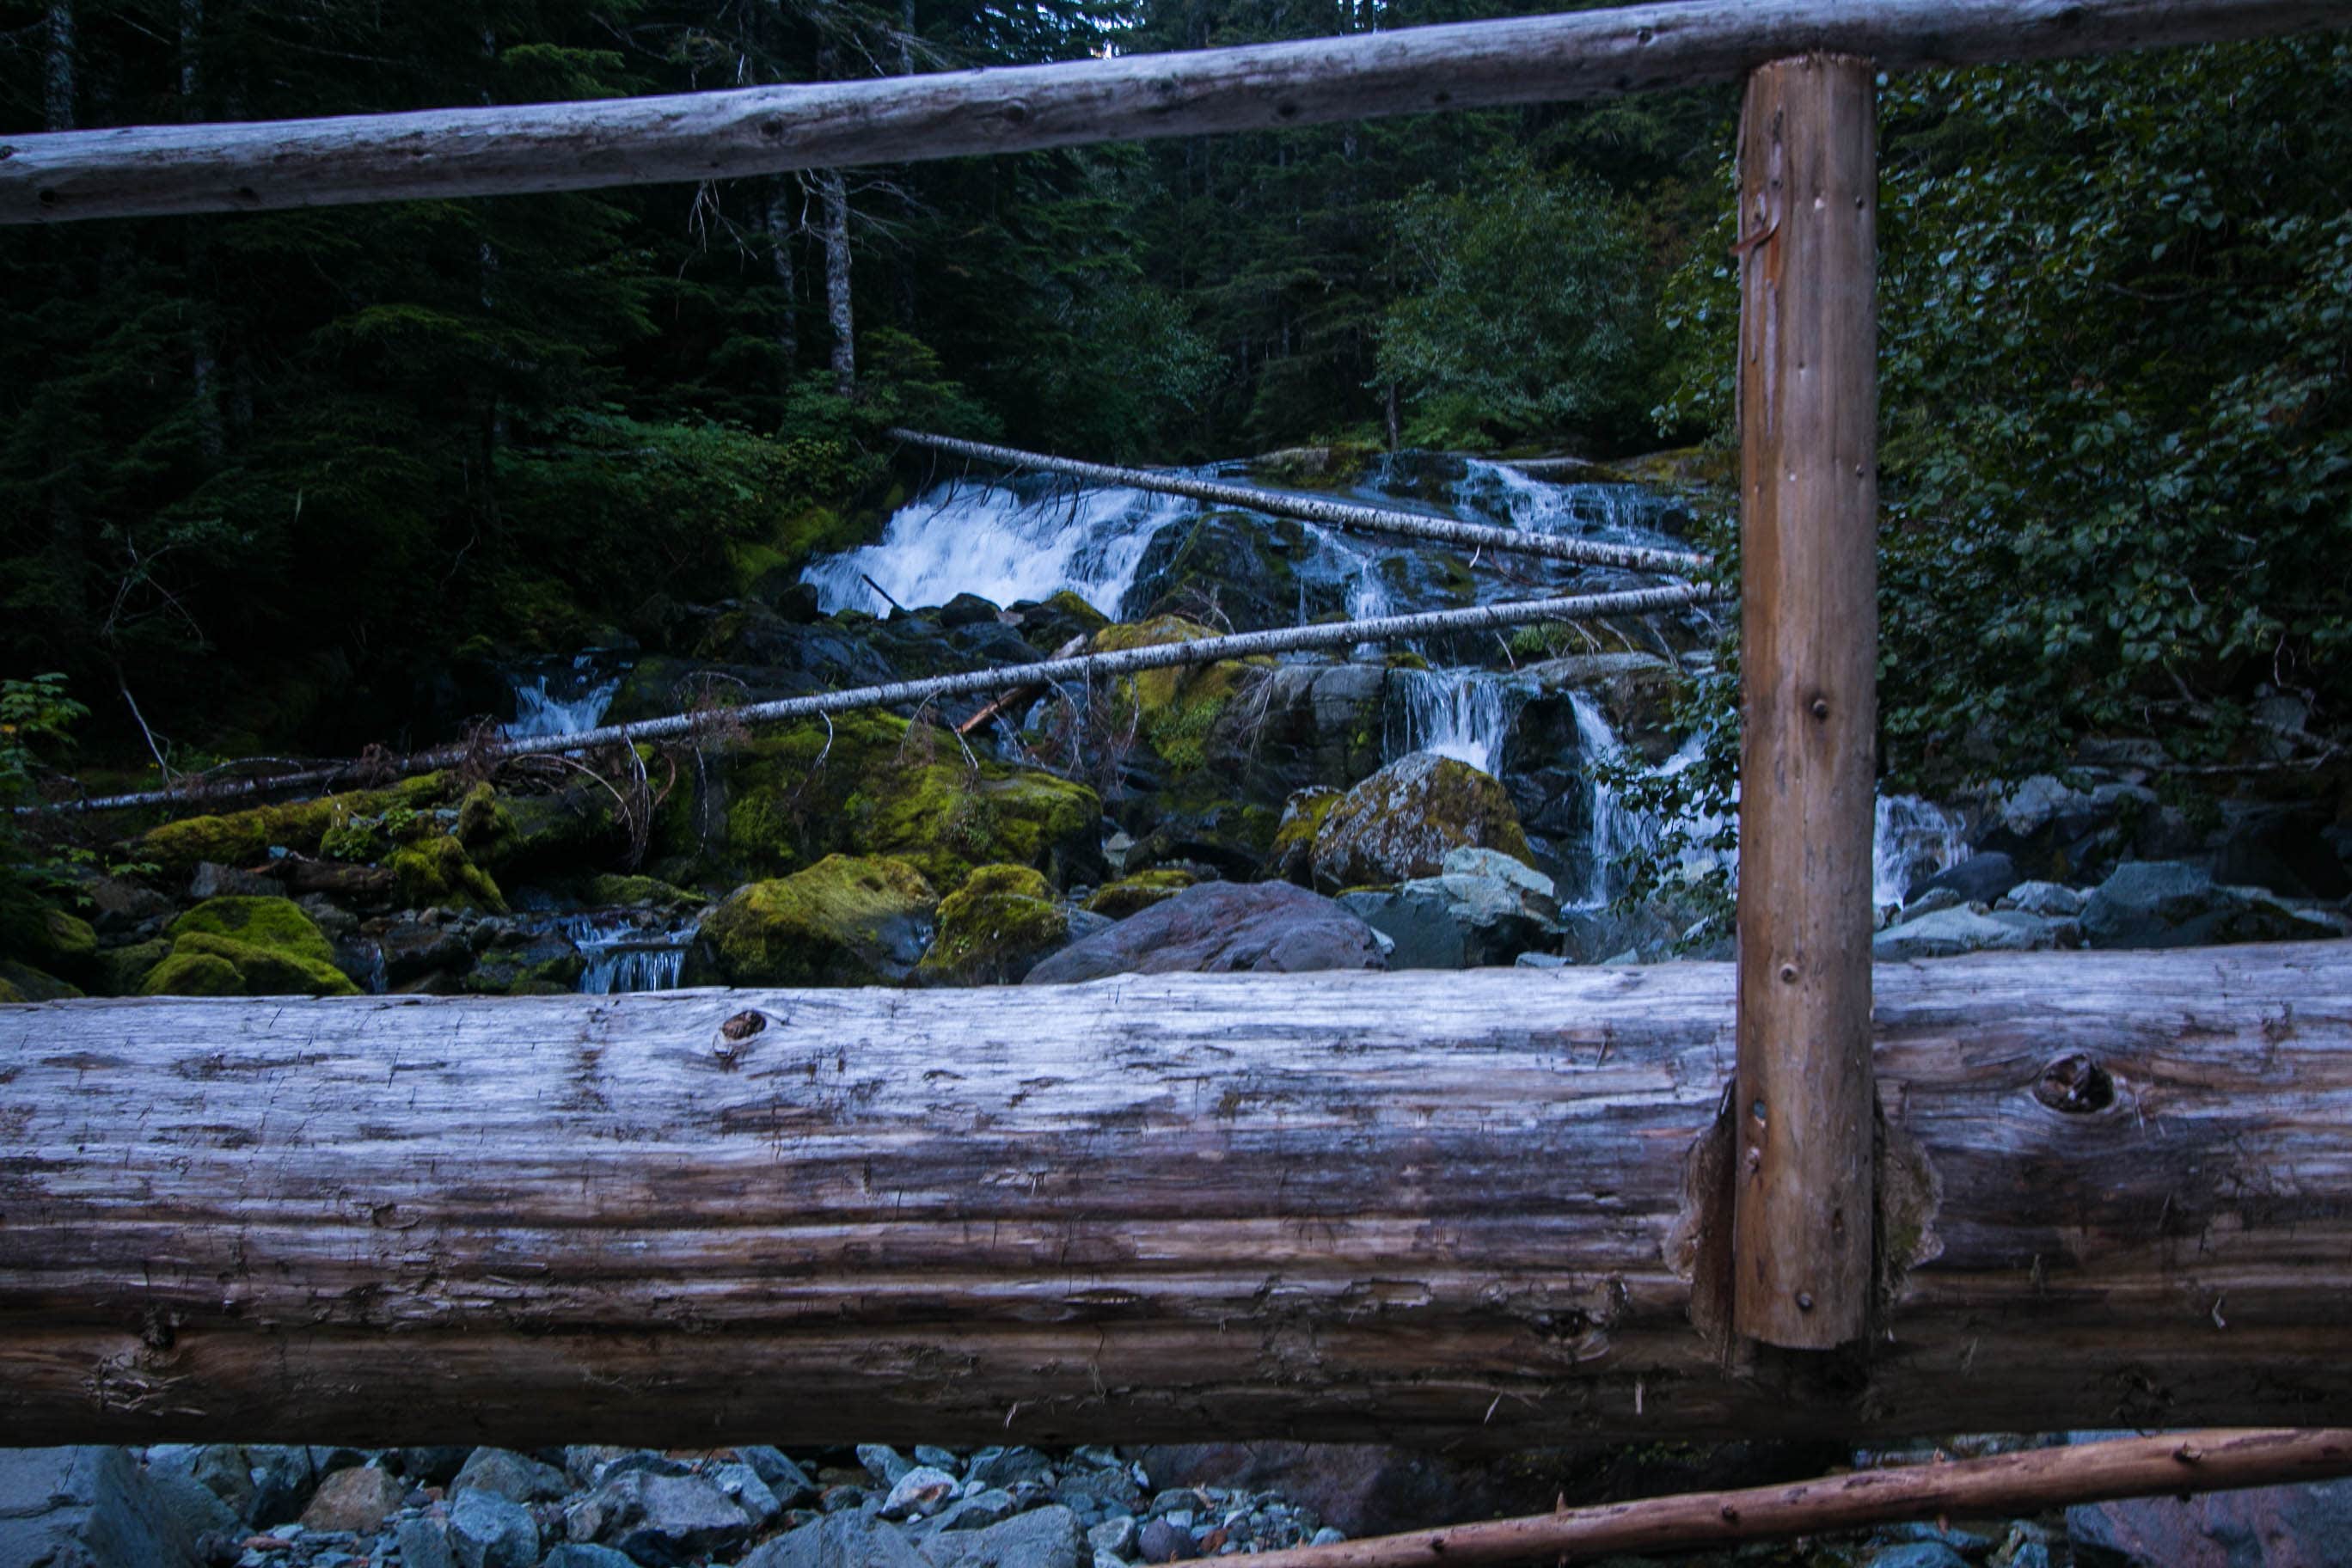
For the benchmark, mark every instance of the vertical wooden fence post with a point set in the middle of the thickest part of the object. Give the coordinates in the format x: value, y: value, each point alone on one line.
x: 1802, y: 1216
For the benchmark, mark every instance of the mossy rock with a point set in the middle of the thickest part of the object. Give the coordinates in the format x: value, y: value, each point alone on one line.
x: 194, y: 974
x: 1131, y: 895
x: 1292, y: 857
x: 436, y: 872
x: 8, y: 993
x: 876, y: 785
x: 994, y: 929
x: 528, y: 836
x: 121, y: 971
x: 1177, y: 708
x: 33, y: 985
x: 846, y: 921
x: 260, y: 971
x: 245, y: 837
x: 276, y: 923
x: 1399, y: 823
x: 610, y: 890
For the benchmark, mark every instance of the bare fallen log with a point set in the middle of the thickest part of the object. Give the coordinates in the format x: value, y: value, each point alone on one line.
x: 1336, y: 514
x: 935, y: 687
x: 1011, y: 702
x: 154, y: 170
x: 1993, y: 1487
x: 2118, y: 1193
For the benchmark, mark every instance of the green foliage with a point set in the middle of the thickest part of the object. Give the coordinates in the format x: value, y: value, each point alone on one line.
x: 1525, y: 310
x: 35, y: 716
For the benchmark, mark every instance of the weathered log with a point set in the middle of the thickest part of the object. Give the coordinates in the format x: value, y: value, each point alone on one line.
x: 933, y: 688
x: 1808, y: 698
x: 505, y: 150
x: 1333, y: 513
x: 1011, y: 702
x: 1996, y: 1486
x: 2118, y: 1193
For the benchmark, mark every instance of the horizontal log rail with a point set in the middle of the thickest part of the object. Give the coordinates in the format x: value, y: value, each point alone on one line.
x: 716, y: 725
x: 2118, y: 1193
x: 1996, y: 1486
x: 150, y: 171
x: 1350, y: 515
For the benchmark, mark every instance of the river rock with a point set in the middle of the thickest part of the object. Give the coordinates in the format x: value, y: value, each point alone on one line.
x: 358, y: 1499
x: 1043, y: 1538
x: 1951, y: 931
x: 1979, y: 879
x: 486, y: 1531
x: 2305, y: 1526
x: 2161, y: 903
x: 849, y: 1539
x: 2052, y: 901
x: 424, y: 1541
x: 1399, y: 823
x: 1218, y: 927
x: 510, y: 1475
x: 85, y: 1508
x: 583, y: 1554
x: 663, y: 1520
x: 919, y: 1493
x: 844, y: 921
x: 1485, y: 908
x: 787, y: 1481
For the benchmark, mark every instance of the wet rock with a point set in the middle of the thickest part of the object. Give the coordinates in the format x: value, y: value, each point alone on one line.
x: 1218, y: 927
x: 358, y: 1499
x: 1979, y: 879
x: 486, y: 1531
x: 2160, y: 904
x: 518, y: 961
x: 1042, y: 1538
x: 1951, y: 931
x: 214, y: 881
x: 416, y: 947
x: 511, y: 1476
x: 967, y: 609
x: 1399, y: 823
x: 843, y: 921
x: 2304, y: 1526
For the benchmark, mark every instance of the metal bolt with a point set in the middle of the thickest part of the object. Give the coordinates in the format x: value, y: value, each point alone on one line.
x: 1804, y: 1300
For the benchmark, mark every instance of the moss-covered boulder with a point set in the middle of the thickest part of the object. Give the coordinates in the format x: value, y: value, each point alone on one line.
x: 1398, y: 824
x: 1292, y: 858
x: 1132, y: 894
x: 8, y: 992
x: 876, y: 785
x: 122, y: 971
x: 846, y: 921
x: 994, y: 929
x: 245, y: 837
x: 33, y: 985
x: 238, y: 946
x: 1176, y: 711
x: 436, y: 872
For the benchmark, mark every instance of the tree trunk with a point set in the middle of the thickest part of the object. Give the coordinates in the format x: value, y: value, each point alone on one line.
x: 2117, y: 1192
x: 836, y: 194
x: 782, y: 224
x: 58, y: 76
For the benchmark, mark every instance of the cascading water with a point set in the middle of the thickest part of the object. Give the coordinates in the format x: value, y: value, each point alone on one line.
x: 1028, y: 540
x: 1465, y: 713
x: 563, y: 701
x: 1913, y: 839
x: 1619, y: 514
x: 629, y: 949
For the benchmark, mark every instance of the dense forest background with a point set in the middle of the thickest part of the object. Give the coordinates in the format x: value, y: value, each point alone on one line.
x: 264, y: 478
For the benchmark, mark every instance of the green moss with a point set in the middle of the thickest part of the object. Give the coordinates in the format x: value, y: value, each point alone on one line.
x: 245, y: 837
x: 1405, y: 658
x: 1398, y: 824
x: 8, y: 992
x: 1132, y: 894
x: 846, y: 921
x: 611, y: 892
x: 437, y: 871
x: 260, y: 971
x: 1071, y: 607
x: 485, y: 826
x: 194, y: 974
x: 35, y: 984
x: 276, y: 923
x: 121, y: 971
x: 994, y: 929
x: 1292, y: 856
x: 1176, y: 709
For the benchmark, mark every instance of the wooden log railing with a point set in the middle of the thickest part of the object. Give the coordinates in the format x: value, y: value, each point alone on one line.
x: 2119, y: 1191
x: 148, y: 170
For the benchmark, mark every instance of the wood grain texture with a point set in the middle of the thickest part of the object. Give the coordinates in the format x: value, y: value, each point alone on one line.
x: 1412, y: 1206
x: 1808, y: 252
x: 507, y: 150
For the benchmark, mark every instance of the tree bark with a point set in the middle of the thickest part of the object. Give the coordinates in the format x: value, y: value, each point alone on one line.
x: 1315, y: 509
x: 446, y: 153
x: 836, y: 194
x: 782, y: 224
x: 2118, y: 1193
x: 57, y: 73
x: 1809, y: 715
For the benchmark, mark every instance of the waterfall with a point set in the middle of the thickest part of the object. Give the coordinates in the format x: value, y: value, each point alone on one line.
x: 1913, y: 840
x: 629, y: 949
x: 1464, y: 713
x: 1617, y: 513
x: 1027, y: 540
x: 563, y: 701
x: 1622, y: 829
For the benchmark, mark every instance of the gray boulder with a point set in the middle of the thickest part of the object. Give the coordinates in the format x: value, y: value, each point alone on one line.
x: 1949, y: 932
x: 2305, y: 1526
x: 423, y: 1541
x: 85, y: 1508
x: 2170, y: 903
x: 1042, y: 1538
x: 1484, y: 908
x: 512, y: 1476
x: 857, y: 1539
x: 583, y: 1554
x: 1217, y: 927
x: 1979, y: 879
x: 2052, y: 900
x: 486, y: 1531
x: 659, y: 1518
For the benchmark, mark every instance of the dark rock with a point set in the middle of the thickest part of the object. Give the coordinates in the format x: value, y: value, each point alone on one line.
x: 1916, y: 1555
x: 1162, y: 1541
x: 742, y: 1487
x: 884, y: 1463
x: 2305, y: 1526
x: 284, y: 1477
x: 790, y: 1483
x: 1218, y: 927
x: 1979, y: 879
x: 979, y: 1512
x: 1484, y: 909
x: 1003, y: 1467
x: 839, y: 1540
x: 1042, y: 1538
x: 434, y: 1465
x: 663, y: 1520
x: 87, y: 1508
x: 425, y: 1541
x: 2170, y: 903
x: 213, y: 881
x: 416, y: 947
x: 121, y: 908
x: 486, y: 1531
x: 965, y: 610
x: 222, y: 1468
x: 583, y: 1554
x: 2282, y: 848
x: 511, y: 1476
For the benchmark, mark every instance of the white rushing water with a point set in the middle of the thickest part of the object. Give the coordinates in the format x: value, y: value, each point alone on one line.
x: 1465, y: 713
x: 563, y: 701
x: 629, y: 949
x: 1028, y: 540
x: 1913, y: 840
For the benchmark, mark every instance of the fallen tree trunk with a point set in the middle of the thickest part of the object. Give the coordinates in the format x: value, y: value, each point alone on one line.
x: 2119, y: 1193
x: 444, y: 153
x: 1335, y: 513
x: 931, y: 688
